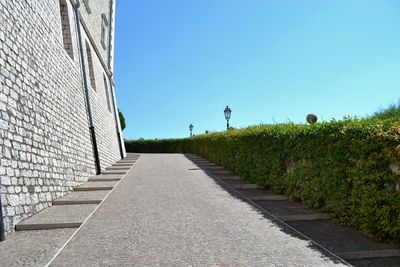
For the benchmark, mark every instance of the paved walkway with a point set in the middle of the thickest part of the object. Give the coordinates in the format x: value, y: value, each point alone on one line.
x: 163, y: 214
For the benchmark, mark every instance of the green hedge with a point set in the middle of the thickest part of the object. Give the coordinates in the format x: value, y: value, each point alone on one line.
x: 341, y: 167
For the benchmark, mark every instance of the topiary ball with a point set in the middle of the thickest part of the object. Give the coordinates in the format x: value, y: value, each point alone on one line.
x: 311, y: 118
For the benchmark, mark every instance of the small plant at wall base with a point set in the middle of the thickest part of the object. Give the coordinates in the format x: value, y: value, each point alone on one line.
x: 121, y: 120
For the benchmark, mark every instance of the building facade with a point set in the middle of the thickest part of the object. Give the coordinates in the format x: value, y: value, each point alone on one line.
x: 56, y: 90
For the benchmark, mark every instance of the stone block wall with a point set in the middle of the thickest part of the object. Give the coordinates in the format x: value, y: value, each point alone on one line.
x: 45, y: 141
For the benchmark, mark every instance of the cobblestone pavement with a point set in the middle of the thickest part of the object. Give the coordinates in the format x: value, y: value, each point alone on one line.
x: 32, y: 248
x: 163, y: 214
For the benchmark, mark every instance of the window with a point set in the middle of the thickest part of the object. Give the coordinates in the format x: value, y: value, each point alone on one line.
x: 66, y: 29
x: 86, y: 3
x: 104, y: 26
x: 107, y: 92
x: 90, y: 63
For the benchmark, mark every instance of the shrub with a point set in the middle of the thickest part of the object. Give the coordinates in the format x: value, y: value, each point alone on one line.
x: 341, y: 167
x: 121, y: 120
x: 392, y: 112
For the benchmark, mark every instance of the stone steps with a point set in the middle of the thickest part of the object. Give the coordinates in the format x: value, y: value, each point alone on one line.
x: 348, y: 243
x: 345, y: 242
x: 71, y: 210
x: 57, y: 216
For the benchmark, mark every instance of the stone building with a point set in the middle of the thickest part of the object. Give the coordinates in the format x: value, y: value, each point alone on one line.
x: 56, y: 89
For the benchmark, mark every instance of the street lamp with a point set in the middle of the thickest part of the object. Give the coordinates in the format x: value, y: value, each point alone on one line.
x: 191, y: 130
x: 227, y: 113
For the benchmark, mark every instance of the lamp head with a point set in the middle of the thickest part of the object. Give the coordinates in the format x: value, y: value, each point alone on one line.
x: 227, y: 113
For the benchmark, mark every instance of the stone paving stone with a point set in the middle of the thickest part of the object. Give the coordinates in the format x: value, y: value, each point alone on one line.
x: 204, y: 162
x: 132, y: 155
x: 65, y: 214
x: 127, y: 161
x: 365, y: 254
x: 231, y: 181
x: 88, y: 195
x: 206, y: 165
x: 119, y: 168
x: 214, y: 168
x: 255, y: 193
x: 270, y: 197
x: 220, y: 172
x: 245, y: 186
x: 32, y: 248
x: 304, y: 217
x: 163, y: 214
x: 283, y: 208
x: 230, y: 177
x: 97, y: 184
x: 377, y: 262
x: 123, y: 164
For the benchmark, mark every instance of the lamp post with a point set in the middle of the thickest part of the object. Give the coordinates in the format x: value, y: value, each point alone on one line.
x: 227, y: 113
x: 191, y: 130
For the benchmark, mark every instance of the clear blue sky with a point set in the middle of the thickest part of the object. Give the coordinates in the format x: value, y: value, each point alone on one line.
x: 182, y: 61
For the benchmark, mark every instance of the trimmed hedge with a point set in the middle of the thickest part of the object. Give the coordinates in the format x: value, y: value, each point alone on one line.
x: 340, y: 167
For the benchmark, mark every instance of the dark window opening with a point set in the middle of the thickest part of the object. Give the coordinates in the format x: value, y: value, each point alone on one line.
x: 104, y: 27
x: 66, y: 28
x: 107, y: 93
x: 90, y: 64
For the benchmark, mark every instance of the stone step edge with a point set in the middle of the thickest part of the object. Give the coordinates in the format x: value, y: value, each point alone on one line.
x: 385, y: 253
x: 304, y: 217
x: 269, y: 197
x: 103, y: 179
x: 230, y: 177
x: 75, y: 202
x: 113, y: 172
x: 118, y: 168
x: 245, y: 186
x: 95, y: 188
x: 369, y: 254
x: 45, y: 226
